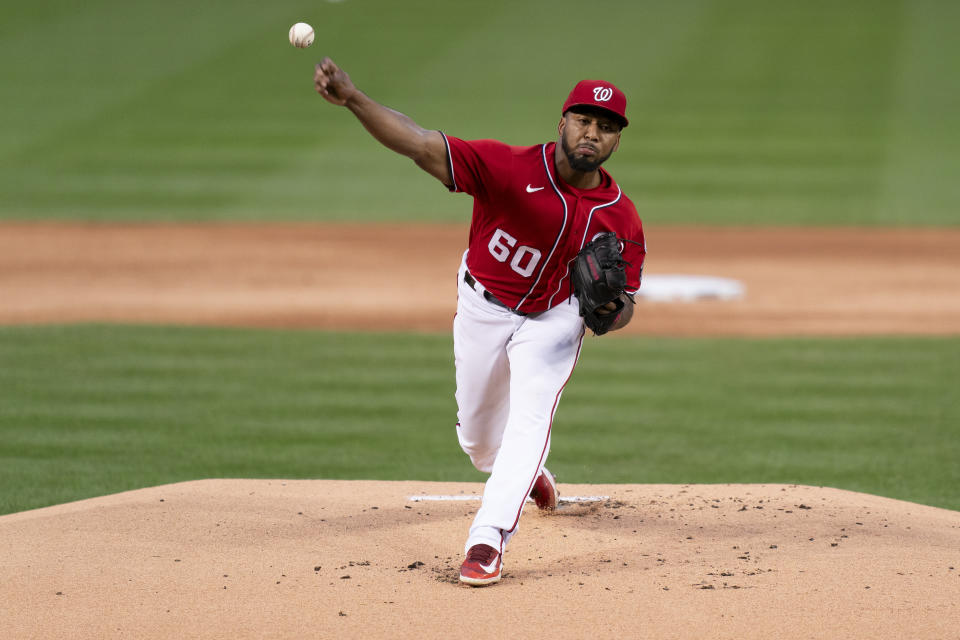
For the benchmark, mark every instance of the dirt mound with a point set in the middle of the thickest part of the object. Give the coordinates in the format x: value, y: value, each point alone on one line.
x: 262, y: 558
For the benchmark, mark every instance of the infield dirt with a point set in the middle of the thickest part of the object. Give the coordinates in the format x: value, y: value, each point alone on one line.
x: 798, y: 281
x: 339, y: 559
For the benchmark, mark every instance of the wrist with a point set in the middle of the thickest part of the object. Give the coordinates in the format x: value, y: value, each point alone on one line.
x: 354, y: 99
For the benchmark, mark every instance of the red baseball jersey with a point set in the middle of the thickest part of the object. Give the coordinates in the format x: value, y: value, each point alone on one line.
x: 528, y: 224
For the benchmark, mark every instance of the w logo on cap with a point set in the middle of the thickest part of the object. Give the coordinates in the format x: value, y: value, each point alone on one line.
x: 598, y: 93
x: 602, y: 94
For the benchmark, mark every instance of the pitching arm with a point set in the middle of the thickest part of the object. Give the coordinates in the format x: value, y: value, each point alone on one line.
x: 391, y: 128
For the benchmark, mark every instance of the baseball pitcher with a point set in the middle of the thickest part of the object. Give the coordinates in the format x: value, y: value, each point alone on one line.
x: 554, y: 247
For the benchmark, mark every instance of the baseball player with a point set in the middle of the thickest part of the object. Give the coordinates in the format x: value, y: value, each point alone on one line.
x: 518, y: 328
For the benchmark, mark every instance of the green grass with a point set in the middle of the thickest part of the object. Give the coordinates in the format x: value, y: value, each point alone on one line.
x: 743, y: 111
x: 92, y: 410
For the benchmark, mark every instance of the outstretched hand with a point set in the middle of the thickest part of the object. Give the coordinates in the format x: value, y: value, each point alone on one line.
x: 333, y: 83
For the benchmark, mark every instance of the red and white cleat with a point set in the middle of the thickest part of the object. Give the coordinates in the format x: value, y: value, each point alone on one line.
x: 544, y: 491
x: 481, y: 567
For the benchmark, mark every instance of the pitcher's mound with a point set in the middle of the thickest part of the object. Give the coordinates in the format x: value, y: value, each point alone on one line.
x: 339, y: 559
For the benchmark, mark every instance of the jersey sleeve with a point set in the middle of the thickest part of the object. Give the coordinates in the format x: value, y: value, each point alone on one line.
x: 634, y: 252
x: 634, y: 245
x: 475, y: 165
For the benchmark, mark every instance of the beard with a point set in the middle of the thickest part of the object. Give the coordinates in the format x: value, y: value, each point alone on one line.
x: 581, y: 163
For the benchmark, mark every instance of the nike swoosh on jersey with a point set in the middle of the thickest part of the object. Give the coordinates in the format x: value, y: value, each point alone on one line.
x: 534, y: 189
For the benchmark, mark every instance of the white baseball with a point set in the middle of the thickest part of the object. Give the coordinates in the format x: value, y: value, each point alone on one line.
x: 301, y: 35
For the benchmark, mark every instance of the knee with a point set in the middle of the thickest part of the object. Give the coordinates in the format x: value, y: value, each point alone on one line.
x: 484, y: 463
x: 481, y: 456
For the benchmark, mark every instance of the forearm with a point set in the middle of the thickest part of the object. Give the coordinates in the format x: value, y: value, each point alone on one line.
x: 391, y: 128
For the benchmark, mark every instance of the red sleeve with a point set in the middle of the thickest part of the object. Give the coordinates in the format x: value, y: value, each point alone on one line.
x: 634, y: 246
x: 635, y: 254
x: 476, y: 164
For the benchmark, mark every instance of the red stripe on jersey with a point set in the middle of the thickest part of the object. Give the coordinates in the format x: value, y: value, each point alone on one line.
x: 453, y: 175
x: 546, y: 168
x: 583, y: 241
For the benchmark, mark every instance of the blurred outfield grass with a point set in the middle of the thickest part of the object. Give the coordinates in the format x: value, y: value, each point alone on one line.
x: 743, y: 111
x: 93, y: 410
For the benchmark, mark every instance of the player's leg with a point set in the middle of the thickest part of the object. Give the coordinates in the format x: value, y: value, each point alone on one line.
x: 480, y: 334
x: 542, y: 355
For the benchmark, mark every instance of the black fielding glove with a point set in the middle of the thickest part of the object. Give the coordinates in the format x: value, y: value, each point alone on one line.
x: 598, y: 277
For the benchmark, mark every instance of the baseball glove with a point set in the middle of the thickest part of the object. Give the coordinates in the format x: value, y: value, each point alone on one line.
x: 598, y: 277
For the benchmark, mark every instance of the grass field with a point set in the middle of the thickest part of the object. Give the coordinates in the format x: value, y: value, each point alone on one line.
x: 743, y: 111
x: 92, y: 410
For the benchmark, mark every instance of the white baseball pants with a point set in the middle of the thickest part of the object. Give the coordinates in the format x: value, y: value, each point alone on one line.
x: 511, y: 371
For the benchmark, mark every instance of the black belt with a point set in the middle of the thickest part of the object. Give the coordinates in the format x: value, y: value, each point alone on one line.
x: 489, y: 297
